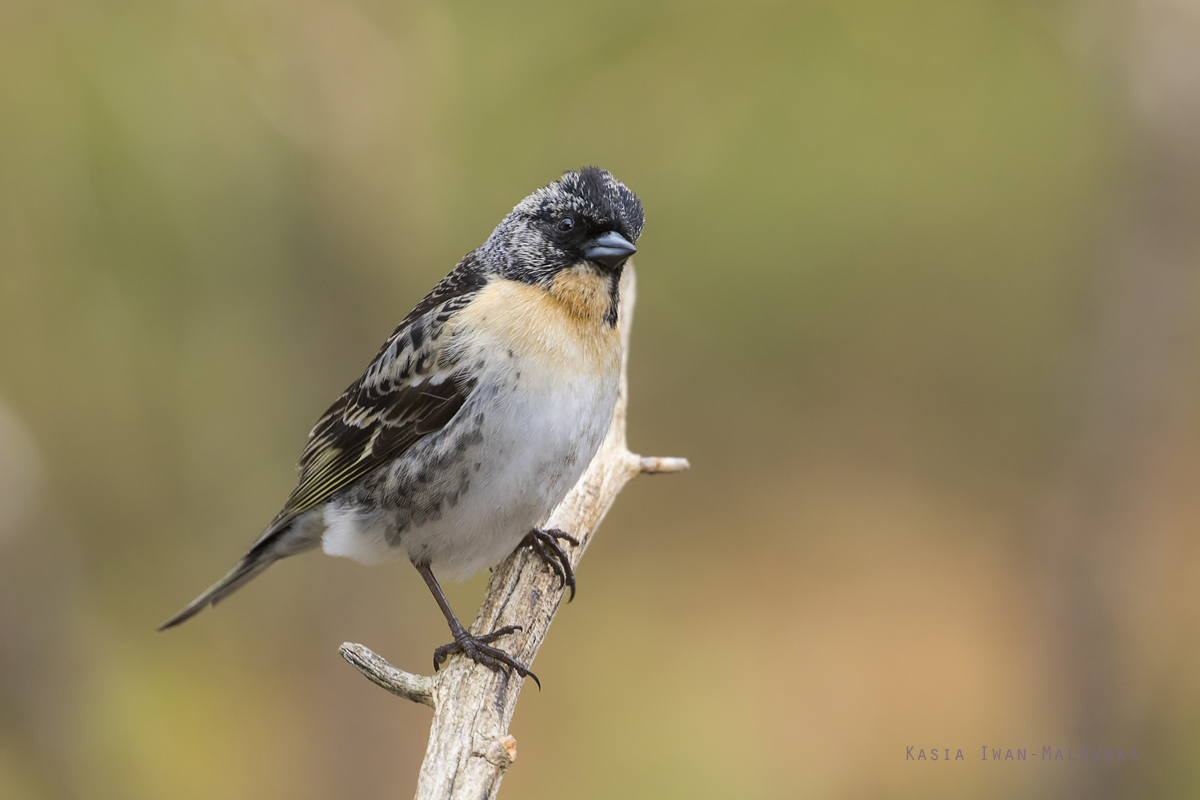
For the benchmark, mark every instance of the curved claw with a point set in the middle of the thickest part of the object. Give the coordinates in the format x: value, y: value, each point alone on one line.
x: 556, y: 533
x: 476, y: 648
x: 545, y: 544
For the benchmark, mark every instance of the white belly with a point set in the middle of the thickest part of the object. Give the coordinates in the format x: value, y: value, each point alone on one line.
x: 537, y: 438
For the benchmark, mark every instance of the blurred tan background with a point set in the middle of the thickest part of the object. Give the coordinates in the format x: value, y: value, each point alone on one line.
x: 918, y: 300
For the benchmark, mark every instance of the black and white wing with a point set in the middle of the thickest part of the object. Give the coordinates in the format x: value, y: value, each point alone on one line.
x: 411, y: 389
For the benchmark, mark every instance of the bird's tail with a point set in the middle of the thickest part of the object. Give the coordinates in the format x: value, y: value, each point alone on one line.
x: 245, y: 569
x: 273, y: 545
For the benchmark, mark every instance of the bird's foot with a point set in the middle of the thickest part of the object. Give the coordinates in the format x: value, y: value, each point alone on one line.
x: 545, y: 544
x: 476, y: 648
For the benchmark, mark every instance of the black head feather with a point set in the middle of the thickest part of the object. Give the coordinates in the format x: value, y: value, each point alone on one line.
x: 607, y: 197
x: 529, y: 244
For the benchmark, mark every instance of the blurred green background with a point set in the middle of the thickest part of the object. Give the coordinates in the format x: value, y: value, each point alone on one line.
x: 900, y: 303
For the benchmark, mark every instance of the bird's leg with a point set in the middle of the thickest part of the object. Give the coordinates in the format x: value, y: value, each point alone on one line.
x: 545, y: 544
x: 474, y: 647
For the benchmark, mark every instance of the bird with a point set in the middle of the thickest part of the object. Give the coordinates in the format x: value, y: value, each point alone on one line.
x: 477, y: 415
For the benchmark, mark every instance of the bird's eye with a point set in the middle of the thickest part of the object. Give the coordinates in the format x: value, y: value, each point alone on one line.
x: 566, y: 224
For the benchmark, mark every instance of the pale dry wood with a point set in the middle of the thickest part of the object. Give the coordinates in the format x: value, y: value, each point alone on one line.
x: 469, y: 744
x: 418, y: 688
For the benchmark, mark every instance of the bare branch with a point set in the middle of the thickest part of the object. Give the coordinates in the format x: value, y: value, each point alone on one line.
x: 649, y: 465
x: 469, y: 744
x: 417, y: 688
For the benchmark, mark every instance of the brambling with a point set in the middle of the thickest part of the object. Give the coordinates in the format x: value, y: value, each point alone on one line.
x: 478, y: 414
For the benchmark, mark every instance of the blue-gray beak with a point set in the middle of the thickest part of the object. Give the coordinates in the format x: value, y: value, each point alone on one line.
x: 609, y: 249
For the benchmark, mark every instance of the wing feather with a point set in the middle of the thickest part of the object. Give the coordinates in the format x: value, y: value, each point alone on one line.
x: 393, y: 405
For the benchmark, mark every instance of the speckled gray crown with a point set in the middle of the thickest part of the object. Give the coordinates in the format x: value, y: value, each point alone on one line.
x: 593, y: 191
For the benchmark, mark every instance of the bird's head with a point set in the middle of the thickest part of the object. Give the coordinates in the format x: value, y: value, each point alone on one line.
x: 571, y: 236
